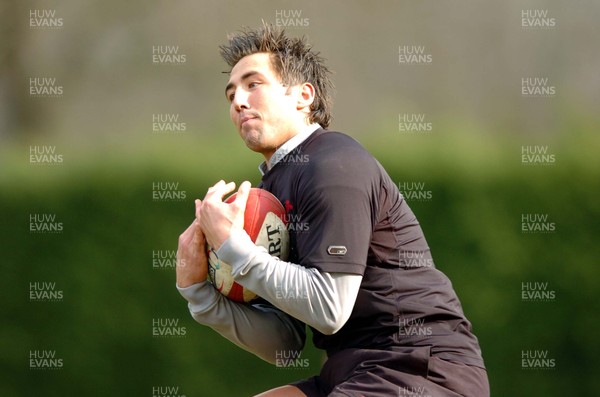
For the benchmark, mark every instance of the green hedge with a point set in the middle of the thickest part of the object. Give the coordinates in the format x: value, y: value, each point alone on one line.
x: 102, y: 262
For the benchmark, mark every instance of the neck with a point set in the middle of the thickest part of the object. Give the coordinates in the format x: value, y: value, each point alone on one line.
x: 268, y: 155
x: 299, y: 128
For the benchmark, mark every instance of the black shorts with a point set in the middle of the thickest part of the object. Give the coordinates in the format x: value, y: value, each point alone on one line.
x: 395, y: 373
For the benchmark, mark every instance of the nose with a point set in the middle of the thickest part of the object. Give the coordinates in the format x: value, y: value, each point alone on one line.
x: 240, y: 100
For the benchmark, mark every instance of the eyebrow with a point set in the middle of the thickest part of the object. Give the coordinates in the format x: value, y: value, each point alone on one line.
x: 244, y: 77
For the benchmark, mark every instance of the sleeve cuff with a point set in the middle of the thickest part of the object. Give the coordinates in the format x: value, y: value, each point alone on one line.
x: 201, y: 296
x: 237, y: 251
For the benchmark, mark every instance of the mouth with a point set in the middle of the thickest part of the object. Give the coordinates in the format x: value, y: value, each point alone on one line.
x: 245, y: 119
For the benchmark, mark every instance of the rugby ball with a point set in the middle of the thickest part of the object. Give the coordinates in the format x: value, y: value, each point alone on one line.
x: 264, y: 221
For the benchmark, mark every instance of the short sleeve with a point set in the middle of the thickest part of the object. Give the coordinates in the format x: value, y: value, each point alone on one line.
x: 335, y: 200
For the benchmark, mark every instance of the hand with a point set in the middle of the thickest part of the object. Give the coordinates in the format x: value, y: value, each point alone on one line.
x: 217, y: 219
x: 192, y: 262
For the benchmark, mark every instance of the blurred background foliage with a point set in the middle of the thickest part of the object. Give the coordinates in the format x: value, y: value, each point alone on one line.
x: 471, y: 162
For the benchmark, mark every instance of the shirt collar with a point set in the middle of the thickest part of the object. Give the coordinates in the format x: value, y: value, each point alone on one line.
x: 287, y: 147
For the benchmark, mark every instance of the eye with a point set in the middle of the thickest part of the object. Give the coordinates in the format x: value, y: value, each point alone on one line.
x: 253, y: 84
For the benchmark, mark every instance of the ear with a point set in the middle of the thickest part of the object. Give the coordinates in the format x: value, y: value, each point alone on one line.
x: 305, y: 98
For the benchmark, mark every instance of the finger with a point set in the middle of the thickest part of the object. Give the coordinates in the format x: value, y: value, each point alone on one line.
x: 228, y: 188
x: 214, y: 187
x: 221, y: 182
x: 242, y: 195
x: 198, y: 206
x: 219, y: 191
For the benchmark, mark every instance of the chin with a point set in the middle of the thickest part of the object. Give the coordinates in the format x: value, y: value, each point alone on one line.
x: 254, y: 148
x: 253, y: 144
x: 258, y: 146
x: 252, y: 139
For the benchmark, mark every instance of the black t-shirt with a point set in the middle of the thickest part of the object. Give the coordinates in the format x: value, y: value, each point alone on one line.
x: 345, y: 215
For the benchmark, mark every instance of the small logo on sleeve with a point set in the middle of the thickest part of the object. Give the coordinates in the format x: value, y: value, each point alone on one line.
x: 337, y: 250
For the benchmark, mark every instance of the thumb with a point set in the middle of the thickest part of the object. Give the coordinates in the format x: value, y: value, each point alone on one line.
x: 198, y: 237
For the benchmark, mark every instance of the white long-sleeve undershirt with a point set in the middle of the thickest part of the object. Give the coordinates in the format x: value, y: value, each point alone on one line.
x: 320, y: 299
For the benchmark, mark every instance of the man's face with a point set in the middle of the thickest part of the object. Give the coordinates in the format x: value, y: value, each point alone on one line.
x: 262, y: 109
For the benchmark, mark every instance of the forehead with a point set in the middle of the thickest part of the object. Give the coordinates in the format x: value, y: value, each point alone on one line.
x: 259, y: 62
